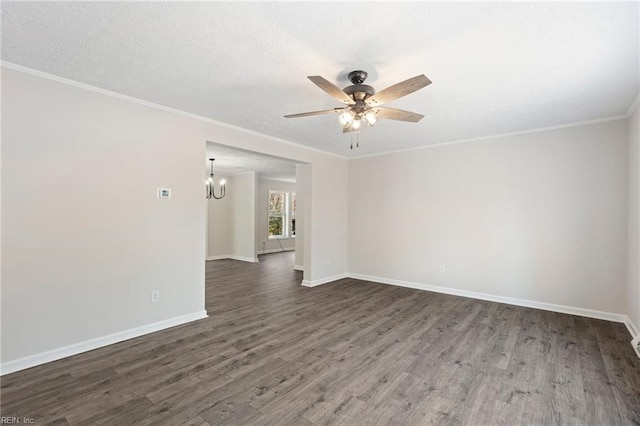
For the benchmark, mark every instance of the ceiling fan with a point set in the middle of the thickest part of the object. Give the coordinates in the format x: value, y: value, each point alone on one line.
x: 363, y: 103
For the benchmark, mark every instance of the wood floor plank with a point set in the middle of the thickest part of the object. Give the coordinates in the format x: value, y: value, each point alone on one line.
x: 620, y: 371
x: 345, y: 353
x: 601, y: 405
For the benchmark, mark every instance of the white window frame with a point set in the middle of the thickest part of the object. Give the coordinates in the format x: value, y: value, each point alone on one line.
x: 292, y: 214
x: 287, y: 216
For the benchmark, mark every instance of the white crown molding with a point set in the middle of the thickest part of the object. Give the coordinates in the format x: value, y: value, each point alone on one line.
x: 230, y: 174
x: 633, y: 107
x: 53, y: 77
x: 88, y: 345
x: 320, y: 281
x: 270, y: 179
x: 501, y: 135
x: 246, y: 173
x: 27, y: 70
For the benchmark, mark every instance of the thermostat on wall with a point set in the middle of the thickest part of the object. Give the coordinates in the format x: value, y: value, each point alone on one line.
x: 164, y: 193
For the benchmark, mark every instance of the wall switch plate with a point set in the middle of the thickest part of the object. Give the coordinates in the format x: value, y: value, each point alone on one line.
x: 164, y: 193
x: 442, y: 269
x: 155, y: 296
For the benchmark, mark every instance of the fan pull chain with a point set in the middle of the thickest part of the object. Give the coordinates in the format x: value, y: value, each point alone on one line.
x: 357, y: 139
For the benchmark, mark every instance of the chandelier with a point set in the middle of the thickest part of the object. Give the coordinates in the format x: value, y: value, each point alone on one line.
x: 211, y: 192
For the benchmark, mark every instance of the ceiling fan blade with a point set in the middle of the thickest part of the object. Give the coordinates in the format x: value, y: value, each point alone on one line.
x: 398, y: 90
x: 331, y: 89
x: 398, y: 114
x: 307, y: 114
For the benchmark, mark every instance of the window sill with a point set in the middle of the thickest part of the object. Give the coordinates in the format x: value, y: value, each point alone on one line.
x: 282, y: 238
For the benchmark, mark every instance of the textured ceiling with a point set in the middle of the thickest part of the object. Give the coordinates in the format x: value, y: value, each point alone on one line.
x: 233, y: 161
x: 496, y: 67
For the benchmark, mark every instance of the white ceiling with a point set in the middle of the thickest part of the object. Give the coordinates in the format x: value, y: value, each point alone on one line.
x: 233, y: 161
x: 496, y: 67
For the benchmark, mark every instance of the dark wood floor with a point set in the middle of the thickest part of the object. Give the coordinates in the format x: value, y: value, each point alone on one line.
x: 352, y: 352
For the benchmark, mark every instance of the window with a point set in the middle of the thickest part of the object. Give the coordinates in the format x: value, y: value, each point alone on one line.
x: 277, y: 214
x: 282, y: 214
x: 293, y: 214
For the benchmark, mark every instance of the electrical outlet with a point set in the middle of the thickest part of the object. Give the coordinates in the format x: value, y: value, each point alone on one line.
x: 442, y: 269
x: 155, y: 296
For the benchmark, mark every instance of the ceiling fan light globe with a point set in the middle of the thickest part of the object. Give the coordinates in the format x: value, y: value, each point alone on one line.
x: 356, y: 124
x: 371, y: 118
x: 346, y: 118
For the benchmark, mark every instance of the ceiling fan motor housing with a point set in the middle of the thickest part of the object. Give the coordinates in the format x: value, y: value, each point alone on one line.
x: 359, y: 91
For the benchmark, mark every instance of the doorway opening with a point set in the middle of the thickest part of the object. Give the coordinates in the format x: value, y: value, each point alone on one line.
x: 264, y: 207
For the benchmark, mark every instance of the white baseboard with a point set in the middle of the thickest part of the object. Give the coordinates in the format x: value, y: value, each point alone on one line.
x: 88, y: 345
x: 298, y: 267
x: 635, y: 344
x: 278, y: 250
x: 635, y: 334
x: 500, y: 299
x: 230, y: 256
x: 321, y: 281
x: 224, y: 256
x: 245, y: 259
x: 633, y: 329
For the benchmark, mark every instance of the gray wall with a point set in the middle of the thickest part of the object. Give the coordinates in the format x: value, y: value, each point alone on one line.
x: 219, y: 225
x: 634, y: 219
x: 243, y: 216
x: 539, y: 216
x: 231, y: 220
x: 84, y: 238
